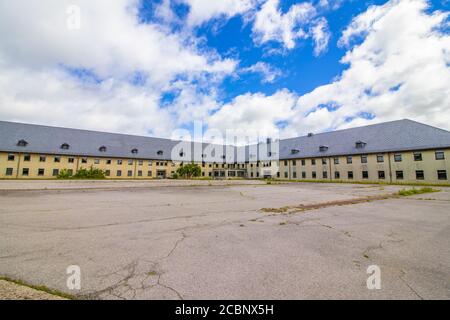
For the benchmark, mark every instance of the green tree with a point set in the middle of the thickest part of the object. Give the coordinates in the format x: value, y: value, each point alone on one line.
x: 189, y: 170
x: 91, y: 173
x: 64, y: 174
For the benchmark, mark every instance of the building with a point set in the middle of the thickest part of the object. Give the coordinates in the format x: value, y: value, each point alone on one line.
x: 397, y: 151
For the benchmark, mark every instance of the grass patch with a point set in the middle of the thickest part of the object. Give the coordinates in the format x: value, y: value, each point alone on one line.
x: 276, y: 210
x: 410, y: 192
x: 40, y: 288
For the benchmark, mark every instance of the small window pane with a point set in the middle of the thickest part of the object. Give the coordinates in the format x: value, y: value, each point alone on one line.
x: 399, y: 175
x: 417, y: 156
x: 350, y: 175
x: 381, y: 175
x: 439, y: 155
x: 364, y: 159
x: 420, y: 175
x: 442, y: 174
x: 349, y: 160
x: 9, y: 171
x: 397, y: 157
x: 380, y: 158
x: 365, y: 174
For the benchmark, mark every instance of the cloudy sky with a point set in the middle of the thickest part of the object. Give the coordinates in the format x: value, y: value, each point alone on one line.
x: 150, y: 67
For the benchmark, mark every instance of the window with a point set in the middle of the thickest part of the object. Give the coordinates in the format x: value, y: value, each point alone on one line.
x: 303, y: 174
x: 303, y: 162
x: 251, y: 174
x: 160, y: 153
x: 294, y: 163
x: 119, y: 173
x: 337, y: 175
x: 364, y: 159
x: 336, y: 160
x: 108, y: 161
x: 25, y: 171
x: 9, y: 171
x: 380, y: 158
x: 360, y: 144
x: 107, y: 173
x: 285, y: 163
x: 130, y: 173
x: 417, y: 156
x: 26, y: 157
x: 119, y: 161
x: 439, y: 155
x: 294, y: 175
x: 41, y: 172
x: 83, y: 160
x: 365, y: 174
x: 323, y: 148
x: 134, y: 151
x: 399, y: 175
x: 257, y: 174
x: 349, y: 159
x: 324, y: 161
x: 313, y: 162
x: 149, y: 173
x: 130, y: 162
x: 294, y: 151
x: 55, y: 172
x: 139, y: 173
x: 381, y: 175
x: 325, y: 174
x: 350, y: 175
x: 285, y: 174
x: 140, y: 162
x: 397, y: 157
x: 96, y: 161
x: 42, y: 158
x: 102, y: 149
x: 11, y: 157
x: 314, y: 175
x: 70, y: 160
x: 22, y: 143
x: 57, y: 159
x: 442, y: 174
x: 420, y: 175
x: 65, y: 146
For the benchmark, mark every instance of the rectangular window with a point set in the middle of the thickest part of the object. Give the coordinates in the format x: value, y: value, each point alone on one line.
x: 399, y: 175
x: 350, y: 175
x: 119, y: 161
x: 442, y: 174
x: 130, y: 173
x: 108, y: 161
x: 57, y: 159
x: 294, y: 175
x: 42, y: 158
x: 119, y: 173
x: 26, y: 157
x: 364, y: 159
x: 303, y: 162
x: 325, y: 175
x: 397, y: 157
x: 9, y: 171
x: 324, y: 161
x: 336, y: 160
x: 417, y: 156
x: 11, y: 157
x: 303, y: 174
x: 149, y: 173
x: 71, y: 160
x: 83, y: 160
x: 285, y: 174
x: 439, y: 155
x: 381, y: 175
x: 349, y: 159
x: 365, y: 174
x: 25, y: 171
x: 41, y: 172
x: 285, y: 163
x: 107, y: 173
x: 149, y: 163
x: 294, y: 163
x: 130, y: 162
x: 420, y: 175
x: 380, y: 158
x: 337, y: 175
x: 313, y: 162
x: 257, y: 174
x: 314, y: 175
x: 96, y: 161
x: 140, y: 162
x: 55, y: 172
x: 139, y: 173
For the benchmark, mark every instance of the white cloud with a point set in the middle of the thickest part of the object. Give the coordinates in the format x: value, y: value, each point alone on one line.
x: 269, y: 73
x: 271, y: 24
x: 321, y: 35
x: 36, y: 43
x: 399, y: 70
x: 204, y: 10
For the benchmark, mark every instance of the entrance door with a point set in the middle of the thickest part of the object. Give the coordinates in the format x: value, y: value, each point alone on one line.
x: 161, y: 174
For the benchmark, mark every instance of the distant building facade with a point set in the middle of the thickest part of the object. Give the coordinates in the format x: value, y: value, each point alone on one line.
x: 402, y: 151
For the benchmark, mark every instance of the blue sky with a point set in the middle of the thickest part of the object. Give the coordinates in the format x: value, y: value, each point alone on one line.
x: 279, y: 66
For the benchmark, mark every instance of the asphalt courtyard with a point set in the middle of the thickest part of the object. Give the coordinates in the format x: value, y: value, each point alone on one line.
x: 225, y: 239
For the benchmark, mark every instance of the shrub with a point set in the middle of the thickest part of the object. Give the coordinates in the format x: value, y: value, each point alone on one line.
x: 91, y: 173
x: 410, y: 192
x: 189, y: 170
x: 64, y: 174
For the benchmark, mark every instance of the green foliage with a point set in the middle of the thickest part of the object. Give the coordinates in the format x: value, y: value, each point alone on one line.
x: 91, y: 173
x: 410, y: 192
x: 189, y: 170
x: 64, y: 174
x: 175, y: 176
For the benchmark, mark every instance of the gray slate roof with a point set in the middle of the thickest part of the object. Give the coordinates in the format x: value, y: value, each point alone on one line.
x: 400, y: 135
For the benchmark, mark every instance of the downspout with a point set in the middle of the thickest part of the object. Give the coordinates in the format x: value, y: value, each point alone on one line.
x: 18, y: 166
x: 331, y: 175
x: 390, y: 167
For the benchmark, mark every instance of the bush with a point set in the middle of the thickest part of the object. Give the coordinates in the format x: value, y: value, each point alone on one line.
x: 410, y: 192
x: 175, y: 176
x: 64, y: 174
x: 189, y: 171
x: 91, y: 173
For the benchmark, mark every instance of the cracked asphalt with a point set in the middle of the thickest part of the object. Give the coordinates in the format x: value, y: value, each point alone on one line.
x: 172, y: 241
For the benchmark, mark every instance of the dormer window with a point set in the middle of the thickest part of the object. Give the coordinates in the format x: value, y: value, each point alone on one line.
x: 203, y: 155
x: 269, y: 154
x: 323, y: 148
x: 223, y: 157
x: 310, y: 134
x: 65, y: 146
x: 22, y: 143
x: 294, y: 151
x: 134, y: 151
x: 181, y: 154
x: 360, y: 144
x: 160, y: 153
x: 102, y: 149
